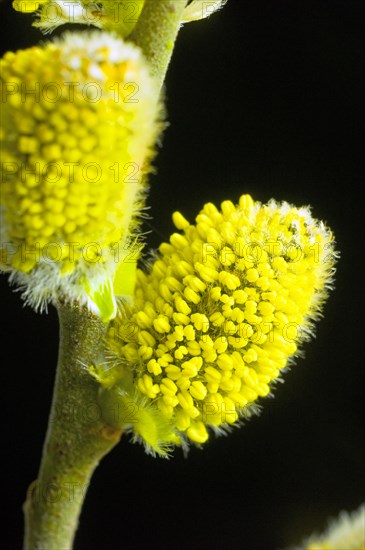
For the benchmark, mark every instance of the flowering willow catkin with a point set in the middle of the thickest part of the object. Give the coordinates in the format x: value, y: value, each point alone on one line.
x: 80, y: 120
x: 219, y: 316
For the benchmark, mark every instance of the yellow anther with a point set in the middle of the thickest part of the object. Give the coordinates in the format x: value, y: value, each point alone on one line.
x: 252, y: 275
x: 213, y: 387
x: 166, y: 409
x: 245, y: 331
x: 180, y: 352
x: 193, y: 412
x: 52, y: 152
x: 246, y: 202
x: 215, y: 293
x: 192, y: 296
x: 28, y: 145
x: 262, y: 389
x: 250, y: 356
x: 229, y: 328
x: 145, y: 352
x: 208, y: 274
x: 161, y: 324
x: 26, y: 6
x: 179, y: 241
x: 214, y: 239
x: 206, y: 343
x: 183, y: 268
x: 170, y: 400
x: 198, y: 390
x: 183, y: 383
x: 174, y: 284
x: 165, y: 359
x: 226, y: 384
x: 237, y: 342
x: 194, y: 348
x: 263, y: 283
x: 228, y: 233
x: 44, y: 133
x: 195, y: 283
x: 182, y: 421
x: 250, y: 378
x: 209, y: 356
x: 143, y: 320
x: 168, y: 387
x: 173, y: 372
x: 179, y: 333
x: 212, y: 375
x: 227, y: 300
x: 217, y: 319
x: 200, y: 321
x: 185, y: 399
x: 130, y: 353
x: 249, y: 394
x: 165, y: 292
x: 182, y: 306
x: 250, y: 306
x: 181, y: 319
x: 227, y: 256
x: 229, y: 412
x: 228, y: 208
x: 221, y: 344
x: 197, y: 361
x: 189, y: 332
x: 212, y: 412
x: 197, y: 432
x: 229, y: 280
x: 146, y: 386
x: 225, y: 361
x: 179, y: 221
x: 153, y: 367
x: 159, y: 268
x: 144, y: 338
x: 279, y: 264
x: 237, y: 315
x: 192, y: 366
x: 237, y: 383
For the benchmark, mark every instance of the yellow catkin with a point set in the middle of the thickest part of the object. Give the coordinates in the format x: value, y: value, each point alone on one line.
x: 110, y: 15
x: 79, y: 124
x: 225, y: 330
x: 28, y: 6
x: 345, y: 532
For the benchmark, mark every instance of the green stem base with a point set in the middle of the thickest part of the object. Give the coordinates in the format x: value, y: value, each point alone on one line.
x: 77, y: 438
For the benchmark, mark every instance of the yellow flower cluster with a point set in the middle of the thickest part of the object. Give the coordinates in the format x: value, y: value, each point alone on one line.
x: 346, y: 532
x: 222, y: 310
x: 79, y: 121
x: 28, y: 6
x: 111, y: 15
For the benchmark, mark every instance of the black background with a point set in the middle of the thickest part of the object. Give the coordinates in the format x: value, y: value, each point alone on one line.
x: 263, y: 98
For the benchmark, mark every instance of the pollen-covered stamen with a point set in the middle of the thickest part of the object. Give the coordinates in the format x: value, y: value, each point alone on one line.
x: 225, y: 305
